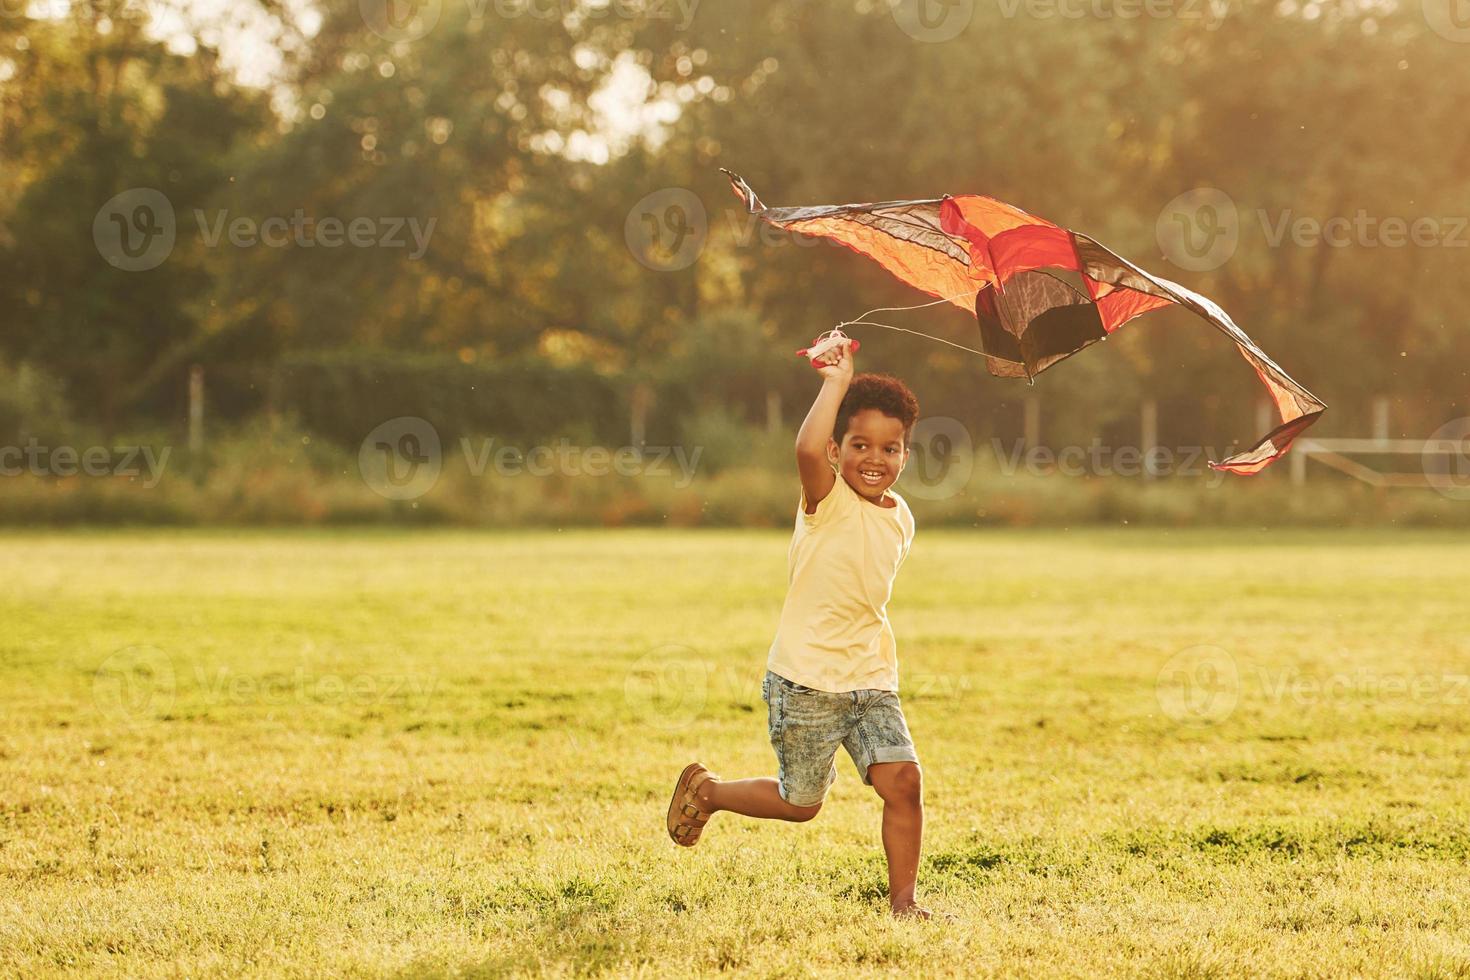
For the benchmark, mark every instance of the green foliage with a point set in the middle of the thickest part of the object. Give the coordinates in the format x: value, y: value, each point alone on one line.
x: 343, y: 395
x: 102, y: 111
x: 276, y: 471
x: 33, y: 405
x: 495, y: 127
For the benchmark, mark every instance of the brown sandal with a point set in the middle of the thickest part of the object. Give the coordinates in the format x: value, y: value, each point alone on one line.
x: 686, y: 819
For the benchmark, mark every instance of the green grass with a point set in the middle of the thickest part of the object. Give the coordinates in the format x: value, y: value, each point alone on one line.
x: 396, y: 753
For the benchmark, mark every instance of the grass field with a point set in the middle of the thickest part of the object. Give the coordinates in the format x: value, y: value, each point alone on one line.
x: 1168, y: 754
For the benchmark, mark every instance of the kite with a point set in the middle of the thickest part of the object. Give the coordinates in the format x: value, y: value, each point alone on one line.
x: 1000, y: 263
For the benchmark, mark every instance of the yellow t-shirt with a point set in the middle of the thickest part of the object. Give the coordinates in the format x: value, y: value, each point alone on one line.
x: 834, y: 633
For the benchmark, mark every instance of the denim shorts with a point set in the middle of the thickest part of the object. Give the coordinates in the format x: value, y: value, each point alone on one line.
x: 807, y: 725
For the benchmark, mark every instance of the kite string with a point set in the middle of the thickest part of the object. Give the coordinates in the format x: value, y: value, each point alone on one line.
x: 901, y: 309
x: 916, y: 333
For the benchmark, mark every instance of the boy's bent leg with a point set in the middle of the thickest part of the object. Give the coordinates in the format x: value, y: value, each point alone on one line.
x: 759, y: 797
x: 900, y: 785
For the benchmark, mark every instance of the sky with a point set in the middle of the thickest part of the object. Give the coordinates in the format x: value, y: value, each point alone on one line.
x: 249, y: 42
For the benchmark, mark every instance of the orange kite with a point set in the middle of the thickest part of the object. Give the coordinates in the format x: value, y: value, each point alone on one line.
x: 990, y: 258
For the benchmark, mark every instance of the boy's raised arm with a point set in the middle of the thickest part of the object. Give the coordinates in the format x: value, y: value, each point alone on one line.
x: 817, y: 478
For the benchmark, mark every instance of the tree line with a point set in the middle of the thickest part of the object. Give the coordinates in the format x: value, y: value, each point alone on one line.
x: 494, y: 187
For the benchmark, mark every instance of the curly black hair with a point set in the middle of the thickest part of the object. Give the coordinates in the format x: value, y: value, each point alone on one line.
x: 881, y: 391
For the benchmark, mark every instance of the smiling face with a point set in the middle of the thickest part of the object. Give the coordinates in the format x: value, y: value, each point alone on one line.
x: 872, y: 453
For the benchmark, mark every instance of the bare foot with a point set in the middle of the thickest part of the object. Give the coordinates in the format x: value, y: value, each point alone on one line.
x: 913, y: 910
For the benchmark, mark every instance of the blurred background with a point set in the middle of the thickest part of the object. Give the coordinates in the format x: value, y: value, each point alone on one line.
x: 473, y: 261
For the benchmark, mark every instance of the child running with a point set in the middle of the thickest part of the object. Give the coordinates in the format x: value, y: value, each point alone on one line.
x: 832, y: 671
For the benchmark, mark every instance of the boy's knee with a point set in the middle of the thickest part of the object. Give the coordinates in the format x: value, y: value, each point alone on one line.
x: 902, y: 784
x: 801, y: 814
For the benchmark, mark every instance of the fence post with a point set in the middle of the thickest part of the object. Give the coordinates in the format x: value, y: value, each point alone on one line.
x: 196, y: 408
x: 773, y: 411
x: 1265, y: 417
x: 1150, y: 432
x: 642, y: 401
x: 1032, y: 432
x: 1380, y: 419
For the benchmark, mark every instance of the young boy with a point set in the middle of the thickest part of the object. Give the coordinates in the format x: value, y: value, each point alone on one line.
x: 832, y: 671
